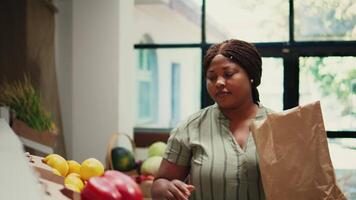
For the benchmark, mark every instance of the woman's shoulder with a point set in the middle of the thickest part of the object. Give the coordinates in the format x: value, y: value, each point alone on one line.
x: 195, y: 119
x: 263, y: 111
x: 267, y: 109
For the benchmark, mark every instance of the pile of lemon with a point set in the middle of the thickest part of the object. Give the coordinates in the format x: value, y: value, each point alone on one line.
x: 75, y: 174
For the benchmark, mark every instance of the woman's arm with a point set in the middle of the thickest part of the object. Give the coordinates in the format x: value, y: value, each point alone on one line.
x: 169, y: 182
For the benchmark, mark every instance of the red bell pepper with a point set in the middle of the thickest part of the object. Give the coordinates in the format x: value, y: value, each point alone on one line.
x: 141, y: 178
x: 100, y: 188
x: 127, y: 187
x: 112, y: 185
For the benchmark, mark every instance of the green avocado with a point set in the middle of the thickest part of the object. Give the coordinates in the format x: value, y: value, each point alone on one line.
x: 122, y: 159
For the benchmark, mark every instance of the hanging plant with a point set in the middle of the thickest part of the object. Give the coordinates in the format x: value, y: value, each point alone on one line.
x: 25, y: 101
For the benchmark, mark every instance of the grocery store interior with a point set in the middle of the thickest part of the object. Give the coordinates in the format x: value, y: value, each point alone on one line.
x: 125, y: 73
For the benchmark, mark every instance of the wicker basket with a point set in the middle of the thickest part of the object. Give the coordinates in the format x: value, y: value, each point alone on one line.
x: 146, y: 185
x: 113, y: 140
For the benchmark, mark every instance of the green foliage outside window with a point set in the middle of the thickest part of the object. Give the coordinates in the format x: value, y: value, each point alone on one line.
x: 334, y: 76
x: 325, y: 20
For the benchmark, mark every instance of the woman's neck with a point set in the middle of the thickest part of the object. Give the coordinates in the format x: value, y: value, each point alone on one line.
x: 245, y: 111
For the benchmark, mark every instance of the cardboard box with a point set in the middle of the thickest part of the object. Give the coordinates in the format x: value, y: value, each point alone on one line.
x: 53, y: 185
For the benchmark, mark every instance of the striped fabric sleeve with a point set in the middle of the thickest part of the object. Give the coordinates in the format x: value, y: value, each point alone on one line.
x: 178, y: 150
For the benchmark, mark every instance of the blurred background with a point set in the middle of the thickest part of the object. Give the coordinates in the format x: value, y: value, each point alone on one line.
x: 135, y: 66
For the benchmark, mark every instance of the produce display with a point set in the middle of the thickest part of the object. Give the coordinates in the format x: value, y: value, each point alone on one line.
x: 150, y: 166
x: 74, y: 182
x: 91, y: 167
x: 122, y: 159
x: 58, y: 163
x: 75, y: 174
x: 157, y: 149
x: 113, y: 185
x: 129, y: 179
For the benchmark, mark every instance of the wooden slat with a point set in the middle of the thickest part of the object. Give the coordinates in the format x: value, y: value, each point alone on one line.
x: 144, y: 139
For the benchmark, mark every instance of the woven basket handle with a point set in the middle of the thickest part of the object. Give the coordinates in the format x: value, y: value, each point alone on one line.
x: 113, y: 139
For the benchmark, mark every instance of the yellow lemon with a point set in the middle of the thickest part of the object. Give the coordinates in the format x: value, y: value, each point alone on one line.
x: 72, y: 187
x: 91, y: 167
x: 73, y: 180
x: 74, y: 174
x: 60, y: 164
x: 49, y: 157
x: 74, y: 166
x: 56, y: 172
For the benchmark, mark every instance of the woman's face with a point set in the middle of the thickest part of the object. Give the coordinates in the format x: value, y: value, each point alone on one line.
x: 227, y: 83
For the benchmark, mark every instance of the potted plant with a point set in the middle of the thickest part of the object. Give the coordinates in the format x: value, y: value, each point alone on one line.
x: 32, y: 121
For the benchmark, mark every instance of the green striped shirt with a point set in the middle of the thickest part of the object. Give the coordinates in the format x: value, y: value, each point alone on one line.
x: 219, y: 168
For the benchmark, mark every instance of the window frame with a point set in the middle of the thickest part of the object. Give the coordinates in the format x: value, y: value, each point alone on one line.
x: 289, y: 51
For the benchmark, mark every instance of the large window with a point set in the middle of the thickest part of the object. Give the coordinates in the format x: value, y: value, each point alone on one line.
x: 254, y: 21
x: 168, y: 86
x: 332, y: 81
x: 308, y: 49
x: 271, y: 88
x: 147, y: 83
x: 325, y: 20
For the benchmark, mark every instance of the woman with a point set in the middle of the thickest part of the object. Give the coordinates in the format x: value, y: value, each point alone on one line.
x: 214, y: 146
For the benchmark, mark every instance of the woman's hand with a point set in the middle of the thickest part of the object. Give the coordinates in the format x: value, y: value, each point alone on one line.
x: 178, y: 190
x: 168, y: 183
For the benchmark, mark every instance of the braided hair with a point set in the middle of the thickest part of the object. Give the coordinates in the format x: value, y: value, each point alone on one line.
x: 243, y: 54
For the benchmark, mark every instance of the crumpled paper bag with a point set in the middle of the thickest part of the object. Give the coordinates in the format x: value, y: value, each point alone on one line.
x: 294, y: 157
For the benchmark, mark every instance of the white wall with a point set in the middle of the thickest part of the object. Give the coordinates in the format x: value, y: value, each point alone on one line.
x: 97, y: 82
x: 63, y: 58
x: 127, y: 80
x: 164, y: 24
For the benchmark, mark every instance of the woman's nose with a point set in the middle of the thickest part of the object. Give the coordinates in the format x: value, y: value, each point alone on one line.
x: 220, y: 82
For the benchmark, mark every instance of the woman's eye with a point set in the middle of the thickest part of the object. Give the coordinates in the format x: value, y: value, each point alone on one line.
x: 211, y: 78
x: 228, y: 74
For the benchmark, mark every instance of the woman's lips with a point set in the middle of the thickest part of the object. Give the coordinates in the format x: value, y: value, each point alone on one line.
x: 222, y: 94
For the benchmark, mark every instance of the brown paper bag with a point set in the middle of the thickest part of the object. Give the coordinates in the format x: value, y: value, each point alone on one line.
x: 294, y: 157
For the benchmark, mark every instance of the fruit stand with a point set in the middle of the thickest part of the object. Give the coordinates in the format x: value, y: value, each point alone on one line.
x: 124, y: 176
x: 54, y: 187
x: 52, y: 184
x: 55, y: 178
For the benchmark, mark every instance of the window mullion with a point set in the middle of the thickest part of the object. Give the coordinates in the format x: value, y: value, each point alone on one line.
x: 291, y: 80
x: 291, y: 21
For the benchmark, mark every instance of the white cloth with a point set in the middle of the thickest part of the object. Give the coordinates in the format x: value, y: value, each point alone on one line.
x: 17, y: 178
